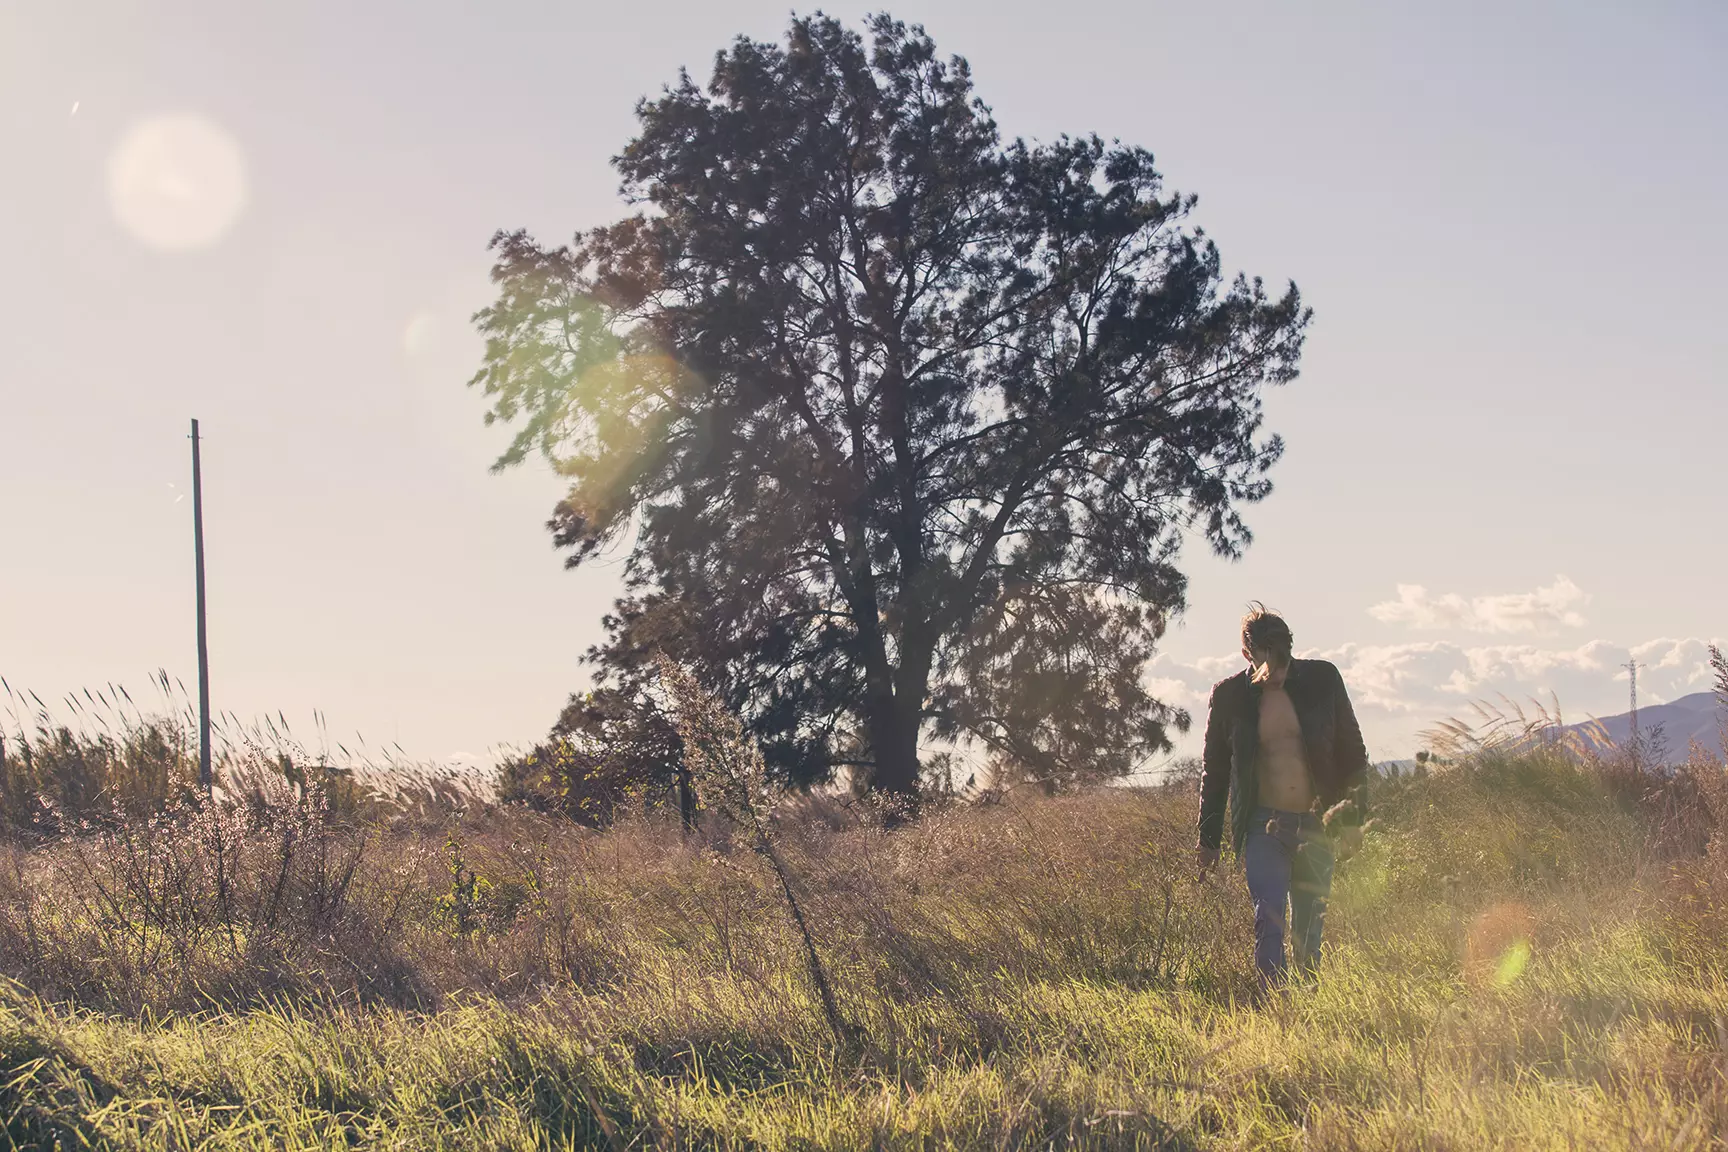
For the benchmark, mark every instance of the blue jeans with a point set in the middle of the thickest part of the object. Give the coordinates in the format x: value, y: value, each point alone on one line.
x: 1288, y: 858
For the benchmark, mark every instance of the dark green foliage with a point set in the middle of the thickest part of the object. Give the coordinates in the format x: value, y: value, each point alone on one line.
x: 56, y: 775
x: 608, y: 747
x: 904, y: 424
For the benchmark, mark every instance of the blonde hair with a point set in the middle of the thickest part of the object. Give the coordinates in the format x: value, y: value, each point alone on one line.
x: 1264, y: 628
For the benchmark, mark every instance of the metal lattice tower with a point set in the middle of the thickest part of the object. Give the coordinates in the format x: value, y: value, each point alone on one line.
x: 1631, y: 667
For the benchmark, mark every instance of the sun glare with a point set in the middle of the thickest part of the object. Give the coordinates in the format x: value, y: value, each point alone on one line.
x: 177, y: 183
x: 420, y: 334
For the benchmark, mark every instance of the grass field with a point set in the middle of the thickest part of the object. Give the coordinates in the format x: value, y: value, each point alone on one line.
x: 1527, y: 954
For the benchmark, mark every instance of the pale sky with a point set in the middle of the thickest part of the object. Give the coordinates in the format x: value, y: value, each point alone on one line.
x: 1506, y: 450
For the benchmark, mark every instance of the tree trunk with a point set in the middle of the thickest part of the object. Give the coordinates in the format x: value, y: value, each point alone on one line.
x: 894, y: 726
x: 897, y: 764
x: 686, y: 800
x: 894, y: 740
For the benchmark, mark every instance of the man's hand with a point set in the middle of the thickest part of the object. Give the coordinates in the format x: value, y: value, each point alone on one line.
x: 1208, y: 858
x: 1349, y: 839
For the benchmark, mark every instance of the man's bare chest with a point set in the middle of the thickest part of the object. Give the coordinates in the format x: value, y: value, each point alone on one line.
x: 1278, y: 724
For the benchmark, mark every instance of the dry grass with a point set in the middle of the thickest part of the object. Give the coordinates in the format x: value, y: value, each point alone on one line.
x: 1523, y: 956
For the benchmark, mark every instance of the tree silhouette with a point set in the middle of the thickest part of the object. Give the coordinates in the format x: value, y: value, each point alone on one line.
x: 902, y: 425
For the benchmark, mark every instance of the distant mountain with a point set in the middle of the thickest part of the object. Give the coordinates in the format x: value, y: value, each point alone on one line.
x: 1695, y: 717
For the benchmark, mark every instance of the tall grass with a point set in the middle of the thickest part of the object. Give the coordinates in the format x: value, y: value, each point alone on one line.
x: 1520, y: 956
x: 100, y: 756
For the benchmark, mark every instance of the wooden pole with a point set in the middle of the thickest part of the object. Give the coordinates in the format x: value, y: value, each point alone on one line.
x: 204, y: 780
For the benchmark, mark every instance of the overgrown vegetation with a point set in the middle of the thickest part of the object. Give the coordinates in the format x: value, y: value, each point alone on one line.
x: 1526, y: 954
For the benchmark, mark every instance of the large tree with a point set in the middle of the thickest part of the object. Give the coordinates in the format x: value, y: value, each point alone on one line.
x: 902, y: 426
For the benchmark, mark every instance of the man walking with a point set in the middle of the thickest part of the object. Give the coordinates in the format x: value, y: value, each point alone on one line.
x: 1282, y: 742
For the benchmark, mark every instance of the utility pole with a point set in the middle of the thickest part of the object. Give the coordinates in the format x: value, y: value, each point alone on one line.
x: 204, y: 779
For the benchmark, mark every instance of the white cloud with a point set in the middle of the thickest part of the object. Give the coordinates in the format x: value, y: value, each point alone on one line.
x: 1181, y: 693
x: 1690, y: 657
x: 1400, y: 690
x: 1543, y: 610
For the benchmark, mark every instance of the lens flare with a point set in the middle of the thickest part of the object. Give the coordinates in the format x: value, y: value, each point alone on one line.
x: 1497, y: 950
x: 177, y: 183
x: 420, y: 334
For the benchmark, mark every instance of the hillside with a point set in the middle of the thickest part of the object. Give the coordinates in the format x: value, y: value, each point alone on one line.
x: 1694, y: 718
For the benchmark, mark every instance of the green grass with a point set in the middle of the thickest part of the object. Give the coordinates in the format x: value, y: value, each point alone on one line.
x: 1511, y: 964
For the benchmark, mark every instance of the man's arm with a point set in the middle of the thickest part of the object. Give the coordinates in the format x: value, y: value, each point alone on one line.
x: 1352, y: 753
x: 1215, y: 771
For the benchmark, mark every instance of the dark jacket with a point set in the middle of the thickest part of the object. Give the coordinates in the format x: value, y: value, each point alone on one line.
x: 1337, y: 758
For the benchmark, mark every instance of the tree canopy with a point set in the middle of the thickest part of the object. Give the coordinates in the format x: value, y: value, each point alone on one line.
x: 901, y: 425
